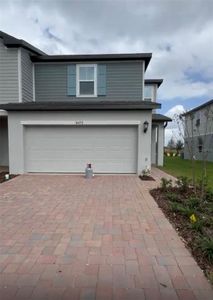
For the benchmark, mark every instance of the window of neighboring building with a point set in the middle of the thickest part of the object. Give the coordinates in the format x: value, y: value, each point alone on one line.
x: 86, y: 80
x: 148, y: 92
x: 200, y: 144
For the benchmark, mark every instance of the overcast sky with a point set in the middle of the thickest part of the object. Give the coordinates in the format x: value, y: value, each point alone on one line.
x: 179, y: 33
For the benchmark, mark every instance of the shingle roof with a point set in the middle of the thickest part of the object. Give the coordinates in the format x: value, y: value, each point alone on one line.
x: 12, y: 42
x: 199, y: 107
x: 154, y: 81
x: 91, y: 105
x: 94, y: 57
x: 159, y: 117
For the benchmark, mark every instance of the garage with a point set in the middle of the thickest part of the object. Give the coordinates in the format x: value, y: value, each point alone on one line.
x: 110, y: 149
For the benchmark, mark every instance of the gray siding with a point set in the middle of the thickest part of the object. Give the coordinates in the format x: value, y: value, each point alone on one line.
x: 8, y: 74
x: 207, y: 146
x: 124, y: 82
x: 27, y: 76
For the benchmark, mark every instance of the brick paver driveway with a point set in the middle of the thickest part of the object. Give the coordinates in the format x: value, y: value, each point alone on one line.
x: 64, y: 237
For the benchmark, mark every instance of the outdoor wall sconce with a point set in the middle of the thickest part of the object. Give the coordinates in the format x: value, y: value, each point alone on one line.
x: 145, y: 126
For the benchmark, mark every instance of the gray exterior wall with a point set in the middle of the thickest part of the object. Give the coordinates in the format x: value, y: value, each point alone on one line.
x: 17, y: 131
x: 206, y: 121
x: 204, y: 132
x: 207, y: 147
x: 123, y: 82
x: 27, y: 76
x: 9, y: 86
x: 4, y: 160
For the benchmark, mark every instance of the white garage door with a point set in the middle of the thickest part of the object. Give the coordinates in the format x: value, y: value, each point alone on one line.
x: 110, y: 149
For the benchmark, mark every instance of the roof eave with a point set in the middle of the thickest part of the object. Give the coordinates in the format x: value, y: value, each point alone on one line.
x: 198, y: 108
x: 57, y: 106
x: 94, y: 57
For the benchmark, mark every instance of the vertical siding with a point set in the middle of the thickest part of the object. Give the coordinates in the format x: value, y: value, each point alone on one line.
x: 27, y: 76
x: 8, y: 74
x: 123, y: 82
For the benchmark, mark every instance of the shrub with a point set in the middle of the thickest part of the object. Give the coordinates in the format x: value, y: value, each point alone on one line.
x: 172, y: 197
x: 193, y: 202
x: 198, y: 225
x: 206, y: 245
x: 183, y: 183
x: 209, y: 195
x: 165, y: 184
x: 183, y: 210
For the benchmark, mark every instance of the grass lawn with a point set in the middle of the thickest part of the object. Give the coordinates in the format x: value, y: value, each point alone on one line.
x: 177, y: 166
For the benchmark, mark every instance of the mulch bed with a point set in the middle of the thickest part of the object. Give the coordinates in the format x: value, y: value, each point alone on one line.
x: 181, y: 224
x: 146, y: 178
x: 2, y: 176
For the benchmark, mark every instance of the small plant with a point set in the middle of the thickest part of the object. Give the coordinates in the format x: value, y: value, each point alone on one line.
x: 146, y: 172
x: 198, y: 225
x: 179, y: 208
x: 173, y: 197
x: 193, y: 202
x: 209, y: 195
x: 165, y: 184
x: 183, y: 183
x: 206, y: 245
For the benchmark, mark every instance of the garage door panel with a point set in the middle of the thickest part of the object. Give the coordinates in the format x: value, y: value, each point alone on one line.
x: 111, y: 149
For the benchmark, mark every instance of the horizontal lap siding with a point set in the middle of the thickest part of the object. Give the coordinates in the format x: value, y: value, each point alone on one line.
x: 123, y: 82
x: 207, y: 146
x: 27, y: 77
x: 8, y: 74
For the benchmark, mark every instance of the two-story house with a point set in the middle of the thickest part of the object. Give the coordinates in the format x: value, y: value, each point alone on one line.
x: 60, y: 112
x: 198, y: 137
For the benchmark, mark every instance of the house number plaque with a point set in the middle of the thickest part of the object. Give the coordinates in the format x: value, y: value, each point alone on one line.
x: 79, y: 122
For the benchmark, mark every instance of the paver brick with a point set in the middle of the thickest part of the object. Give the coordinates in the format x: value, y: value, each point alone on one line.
x: 64, y: 237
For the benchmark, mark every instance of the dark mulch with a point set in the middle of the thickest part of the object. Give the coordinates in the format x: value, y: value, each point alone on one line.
x: 146, y: 178
x: 182, y: 225
x: 2, y: 176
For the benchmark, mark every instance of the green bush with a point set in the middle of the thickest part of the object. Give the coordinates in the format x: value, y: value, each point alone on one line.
x: 165, y: 184
x: 209, y: 195
x: 198, y: 225
x: 206, y: 245
x: 193, y: 202
x: 179, y: 208
x: 183, y: 183
x: 173, y: 197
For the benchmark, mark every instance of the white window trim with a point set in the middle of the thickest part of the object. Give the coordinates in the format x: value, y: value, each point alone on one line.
x: 78, y: 80
x: 152, y: 96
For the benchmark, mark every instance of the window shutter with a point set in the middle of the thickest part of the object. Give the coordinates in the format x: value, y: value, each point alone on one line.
x: 71, y: 80
x: 101, y: 80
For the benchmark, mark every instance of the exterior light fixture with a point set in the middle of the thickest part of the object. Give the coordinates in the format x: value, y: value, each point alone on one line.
x: 145, y: 126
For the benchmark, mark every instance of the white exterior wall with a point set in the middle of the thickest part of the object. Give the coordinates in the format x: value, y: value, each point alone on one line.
x: 153, y: 147
x: 16, y: 131
x: 160, y: 147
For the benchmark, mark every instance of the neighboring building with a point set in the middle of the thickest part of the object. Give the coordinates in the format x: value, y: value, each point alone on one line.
x: 199, y: 132
x: 59, y: 112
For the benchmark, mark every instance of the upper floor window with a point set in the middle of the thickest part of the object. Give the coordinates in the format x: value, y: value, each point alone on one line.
x: 86, y: 80
x: 148, y: 92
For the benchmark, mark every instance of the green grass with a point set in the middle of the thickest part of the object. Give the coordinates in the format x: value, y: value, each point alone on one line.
x: 177, y: 166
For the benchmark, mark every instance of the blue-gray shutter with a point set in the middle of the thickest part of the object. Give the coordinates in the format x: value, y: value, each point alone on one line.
x: 71, y: 80
x: 101, y: 84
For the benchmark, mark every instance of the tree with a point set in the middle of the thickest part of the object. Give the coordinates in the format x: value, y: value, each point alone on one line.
x: 171, y: 144
x: 195, y: 133
x: 179, y: 146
